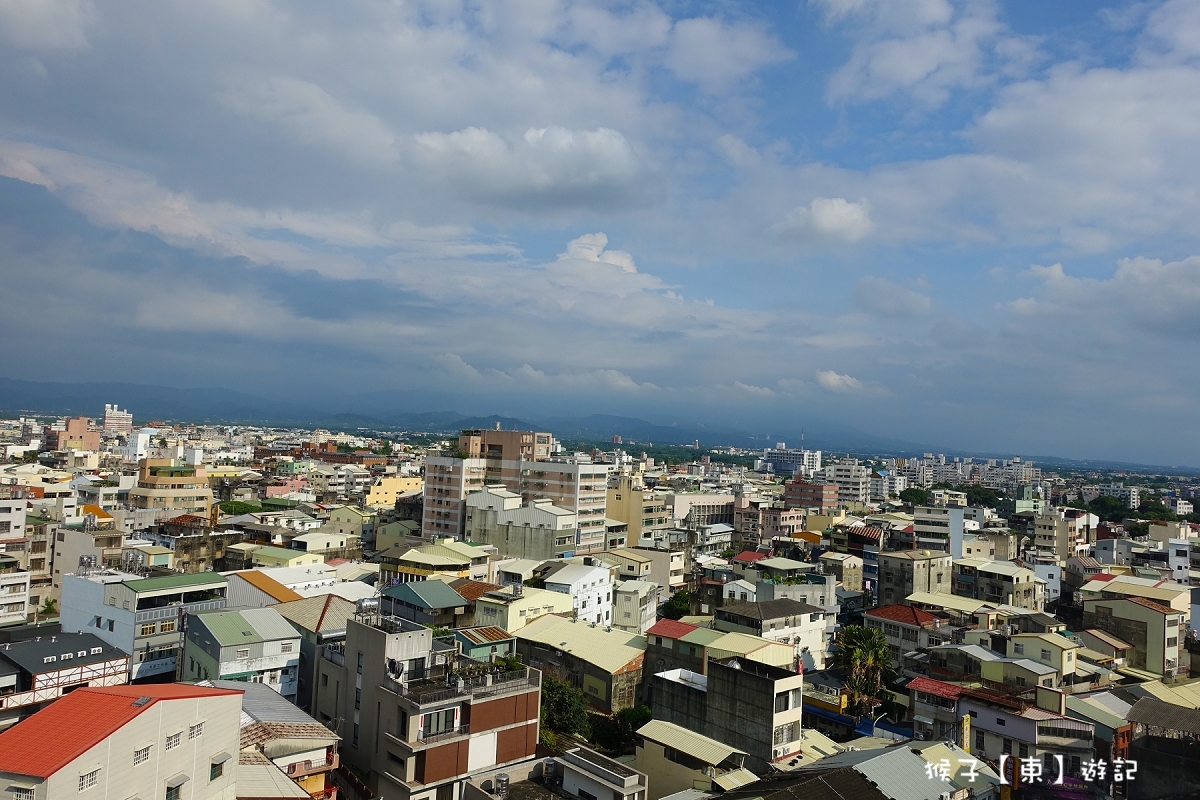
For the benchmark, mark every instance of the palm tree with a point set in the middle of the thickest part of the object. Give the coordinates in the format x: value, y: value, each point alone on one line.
x: 866, y: 664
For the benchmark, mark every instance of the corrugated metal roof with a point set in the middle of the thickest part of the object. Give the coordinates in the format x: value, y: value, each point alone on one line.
x: 263, y: 781
x: 608, y: 650
x: 707, y: 750
x: 485, y: 634
x: 965, y: 605
x: 735, y: 779
x: 429, y: 594
x: 172, y: 581
x: 265, y: 583
x: 318, y: 614
x: 1156, y: 713
x: 248, y: 626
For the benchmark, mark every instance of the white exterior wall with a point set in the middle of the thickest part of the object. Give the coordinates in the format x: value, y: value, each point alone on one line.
x: 83, y: 601
x: 14, y: 598
x: 12, y: 518
x: 114, y: 756
x: 275, y: 669
x: 591, y: 595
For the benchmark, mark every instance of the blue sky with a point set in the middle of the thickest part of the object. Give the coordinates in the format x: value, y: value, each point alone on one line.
x: 967, y: 224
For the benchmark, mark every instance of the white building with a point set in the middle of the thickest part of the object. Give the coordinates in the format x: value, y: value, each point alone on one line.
x: 590, y: 589
x: 884, y: 486
x: 1179, y: 506
x: 780, y: 459
x: 117, y: 421
x: 152, y: 741
x: 1129, y: 495
x: 852, y: 479
x: 12, y: 514
x: 635, y: 605
x: 534, y: 529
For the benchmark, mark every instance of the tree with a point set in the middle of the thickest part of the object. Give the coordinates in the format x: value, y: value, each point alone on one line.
x: 915, y: 496
x: 50, y: 607
x: 680, y: 605
x: 1153, y: 508
x: 866, y: 664
x: 1109, y: 509
x: 238, y: 507
x: 564, y: 709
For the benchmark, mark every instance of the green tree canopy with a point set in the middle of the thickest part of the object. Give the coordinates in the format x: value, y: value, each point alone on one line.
x: 1109, y: 509
x: 680, y: 605
x: 238, y: 507
x: 564, y: 709
x: 915, y: 496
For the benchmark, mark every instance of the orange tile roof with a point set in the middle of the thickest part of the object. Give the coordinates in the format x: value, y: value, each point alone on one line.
x: 938, y: 688
x: 1159, y: 607
x: 473, y: 590
x: 905, y: 614
x: 265, y: 583
x: 66, y: 729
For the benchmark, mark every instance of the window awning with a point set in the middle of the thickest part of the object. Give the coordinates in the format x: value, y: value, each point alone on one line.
x: 178, y: 780
x: 919, y: 718
x: 220, y: 758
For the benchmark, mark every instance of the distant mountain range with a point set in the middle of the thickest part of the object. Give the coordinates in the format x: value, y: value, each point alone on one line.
x: 217, y: 405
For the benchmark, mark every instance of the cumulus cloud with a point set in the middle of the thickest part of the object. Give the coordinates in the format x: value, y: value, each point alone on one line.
x: 834, y: 218
x: 544, y: 166
x: 881, y: 296
x: 590, y: 247
x: 836, y: 382
x: 737, y: 152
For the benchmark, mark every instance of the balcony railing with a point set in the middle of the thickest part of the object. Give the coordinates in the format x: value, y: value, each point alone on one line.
x: 170, y: 612
x: 429, y: 738
x: 301, y: 768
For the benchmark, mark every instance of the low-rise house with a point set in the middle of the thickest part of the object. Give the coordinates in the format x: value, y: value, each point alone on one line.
x: 254, y: 645
x: 586, y: 773
x: 739, y: 590
x: 1154, y: 630
x: 590, y: 588
x: 1103, y: 642
x: 605, y: 664
x: 430, y: 602
x: 1058, y: 652
x: 1019, y: 675
x: 256, y: 589
x: 933, y: 709
x: 127, y: 741
x: 514, y: 606
x: 38, y: 671
x: 673, y: 644
x: 1002, y: 724
x: 319, y: 620
x: 907, y: 628
x: 139, y: 616
x: 274, y: 730
x: 635, y: 606
x: 675, y: 759
x: 848, y: 569
x: 784, y: 620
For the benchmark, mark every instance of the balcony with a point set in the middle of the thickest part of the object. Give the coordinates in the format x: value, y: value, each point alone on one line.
x: 428, y: 691
x: 1065, y: 733
x: 430, y: 738
x: 171, y: 612
x: 300, y: 769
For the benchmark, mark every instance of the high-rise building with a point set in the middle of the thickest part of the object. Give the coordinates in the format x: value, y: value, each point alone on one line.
x: 780, y: 459
x: 852, y: 479
x: 117, y: 421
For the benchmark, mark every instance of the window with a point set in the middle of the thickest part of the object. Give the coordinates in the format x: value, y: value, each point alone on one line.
x: 1006, y: 748
x: 1045, y: 654
x: 141, y: 756
x: 196, y: 730
x: 782, y: 702
x: 216, y: 770
x: 1019, y: 649
x: 1173, y: 641
x: 1000, y: 721
x: 146, y: 630
x: 173, y: 740
x: 286, y: 647
x: 1023, y: 750
x: 243, y: 652
x: 174, y: 792
x: 167, y: 627
x: 979, y: 742
x: 88, y: 780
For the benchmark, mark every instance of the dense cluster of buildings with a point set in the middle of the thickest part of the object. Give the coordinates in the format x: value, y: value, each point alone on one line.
x: 255, y: 613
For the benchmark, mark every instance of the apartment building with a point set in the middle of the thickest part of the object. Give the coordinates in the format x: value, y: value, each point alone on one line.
x: 934, y: 528
x: 747, y: 704
x: 635, y: 605
x: 417, y: 720
x: 514, y: 606
x: 154, y: 741
x: 846, y: 568
x: 999, y: 582
x: 12, y: 512
x: 590, y: 589
x: 117, y: 420
x: 802, y: 493
x: 904, y: 572
x: 852, y: 479
x: 785, y: 461
x: 1154, y: 632
x: 77, y: 433
x: 14, y: 591
x: 906, y: 629
x: 1064, y: 533
x: 384, y: 491
x: 644, y: 510
x: 38, y: 671
x: 252, y: 645
x: 165, y: 483
x: 782, y: 620
x: 140, y: 616
x: 534, y: 529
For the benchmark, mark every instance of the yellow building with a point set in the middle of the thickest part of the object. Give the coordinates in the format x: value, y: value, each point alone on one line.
x: 164, y: 483
x: 675, y: 759
x: 383, y: 492
x: 266, y: 556
x: 644, y: 510
x: 512, y: 607
x: 1047, y: 648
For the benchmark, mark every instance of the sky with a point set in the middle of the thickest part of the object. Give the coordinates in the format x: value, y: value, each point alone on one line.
x: 966, y: 224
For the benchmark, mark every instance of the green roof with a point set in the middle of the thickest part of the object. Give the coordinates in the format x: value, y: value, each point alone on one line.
x: 173, y: 581
x: 278, y: 552
x: 427, y: 594
x: 229, y: 628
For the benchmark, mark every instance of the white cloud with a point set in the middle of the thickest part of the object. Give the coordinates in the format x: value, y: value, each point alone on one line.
x: 737, y: 152
x: 309, y: 114
x: 924, y: 48
x: 881, y: 296
x: 45, y: 25
x: 717, y: 53
x: 545, y: 166
x: 829, y: 218
x: 836, y: 382
x: 590, y: 247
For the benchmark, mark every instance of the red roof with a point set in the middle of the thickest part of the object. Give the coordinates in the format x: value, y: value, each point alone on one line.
x: 1159, y: 607
x: 671, y: 629
x: 66, y: 729
x: 936, y: 688
x: 1101, y: 576
x: 906, y: 614
x: 749, y: 556
x: 473, y: 590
